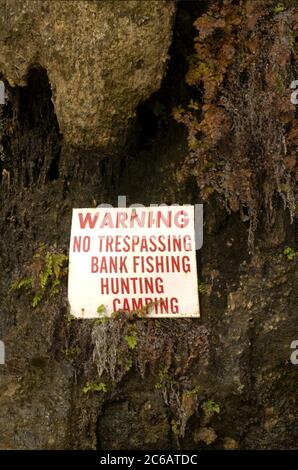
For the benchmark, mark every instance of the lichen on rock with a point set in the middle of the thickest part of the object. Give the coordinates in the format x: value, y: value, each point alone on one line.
x: 102, y: 59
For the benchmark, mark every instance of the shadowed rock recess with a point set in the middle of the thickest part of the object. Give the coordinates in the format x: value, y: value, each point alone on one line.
x: 165, y: 102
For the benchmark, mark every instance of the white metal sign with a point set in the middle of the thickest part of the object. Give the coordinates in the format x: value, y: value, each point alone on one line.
x: 133, y: 259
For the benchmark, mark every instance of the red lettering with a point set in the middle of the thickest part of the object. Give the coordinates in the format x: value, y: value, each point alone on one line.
x: 94, y: 264
x: 109, y: 243
x: 174, y: 305
x: 134, y: 219
x: 88, y: 220
x: 166, y: 219
x: 116, y: 304
x: 104, y: 286
x: 107, y: 221
x: 181, y: 219
x: 134, y: 242
x: 121, y: 219
x: 77, y: 244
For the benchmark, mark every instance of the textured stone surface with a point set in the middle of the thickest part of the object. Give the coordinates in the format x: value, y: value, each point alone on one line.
x: 139, y: 421
x: 38, y: 407
x: 102, y: 57
x: 248, y: 301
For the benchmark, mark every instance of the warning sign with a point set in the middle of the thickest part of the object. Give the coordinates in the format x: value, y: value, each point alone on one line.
x: 133, y: 259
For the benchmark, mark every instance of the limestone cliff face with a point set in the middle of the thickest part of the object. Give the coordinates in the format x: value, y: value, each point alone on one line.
x: 93, y: 111
x: 102, y: 58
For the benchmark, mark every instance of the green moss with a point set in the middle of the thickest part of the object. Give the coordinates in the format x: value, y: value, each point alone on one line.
x: 210, y: 407
x: 175, y: 426
x: 95, y: 387
x: 101, y: 320
x: 131, y: 340
x: 101, y: 309
x: 279, y: 7
x: 290, y: 253
x: 193, y: 391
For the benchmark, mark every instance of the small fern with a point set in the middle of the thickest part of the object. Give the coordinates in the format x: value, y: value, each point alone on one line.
x: 26, y: 283
x: 46, y: 271
x: 210, y: 407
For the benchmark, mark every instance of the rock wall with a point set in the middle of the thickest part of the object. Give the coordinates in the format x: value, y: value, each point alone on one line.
x: 92, y: 112
x: 102, y: 59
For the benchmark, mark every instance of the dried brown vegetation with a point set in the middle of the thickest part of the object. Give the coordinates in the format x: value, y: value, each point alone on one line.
x: 170, y: 350
x: 242, y: 135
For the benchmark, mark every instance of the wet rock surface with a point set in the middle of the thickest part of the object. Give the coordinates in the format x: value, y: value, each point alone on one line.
x: 245, y: 394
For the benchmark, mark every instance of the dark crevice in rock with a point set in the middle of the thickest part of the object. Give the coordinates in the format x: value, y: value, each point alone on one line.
x: 32, y: 140
x: 153, y: 150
